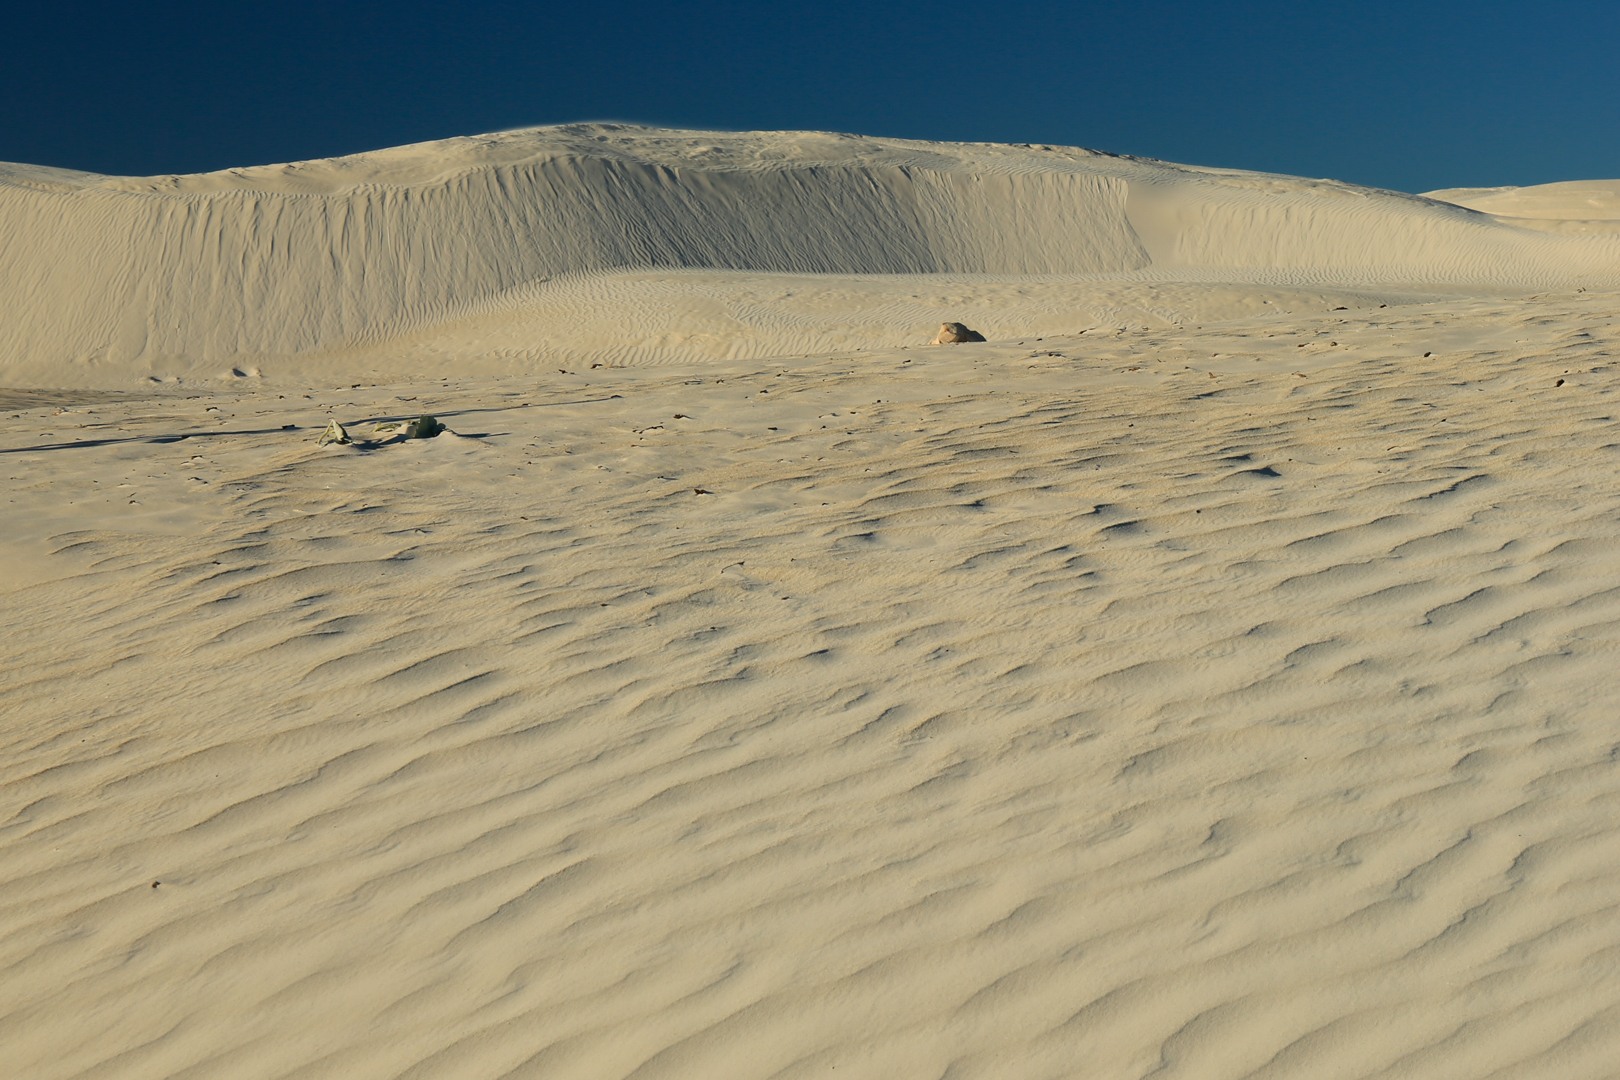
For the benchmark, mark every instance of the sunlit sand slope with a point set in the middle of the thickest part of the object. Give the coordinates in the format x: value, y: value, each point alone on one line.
x: 1576, y: 199
x: 1574, y: 208
x: 108, y: 278
x: 1222, y: 703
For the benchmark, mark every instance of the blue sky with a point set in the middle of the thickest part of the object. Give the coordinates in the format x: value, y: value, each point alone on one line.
x: 1411, y: 96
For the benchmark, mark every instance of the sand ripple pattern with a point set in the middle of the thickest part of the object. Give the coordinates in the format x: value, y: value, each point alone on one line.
x: 1081, y: 714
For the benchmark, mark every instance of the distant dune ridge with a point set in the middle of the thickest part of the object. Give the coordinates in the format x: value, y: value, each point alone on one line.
x: 1575, y: 207
x: 108, y: 277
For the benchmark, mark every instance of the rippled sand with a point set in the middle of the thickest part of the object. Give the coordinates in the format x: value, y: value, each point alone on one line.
x: 1233, y: 701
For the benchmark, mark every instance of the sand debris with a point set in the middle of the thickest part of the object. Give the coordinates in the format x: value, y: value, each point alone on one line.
x: 334, y: 433
x: 422, y: 427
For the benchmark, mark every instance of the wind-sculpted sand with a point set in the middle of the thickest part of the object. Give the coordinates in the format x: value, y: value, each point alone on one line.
x: 1221, y: 701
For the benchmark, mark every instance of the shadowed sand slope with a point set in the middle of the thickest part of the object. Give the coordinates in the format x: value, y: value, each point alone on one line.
x: 1233, y: 702
x: 107, y: 279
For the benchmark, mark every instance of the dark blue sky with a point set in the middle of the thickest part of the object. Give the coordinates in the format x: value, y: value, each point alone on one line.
x: 1410, y: 96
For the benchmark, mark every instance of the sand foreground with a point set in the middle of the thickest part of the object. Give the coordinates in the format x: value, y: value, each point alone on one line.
x: 1233, y: 701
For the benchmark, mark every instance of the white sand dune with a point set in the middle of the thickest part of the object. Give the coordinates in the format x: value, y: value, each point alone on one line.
x: 103, y: 277
x: 1574, y: 208
x: 1594, y: 200
x: 1219, y: 686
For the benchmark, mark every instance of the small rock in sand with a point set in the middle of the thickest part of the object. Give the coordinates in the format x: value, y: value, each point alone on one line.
x: 953, y: 333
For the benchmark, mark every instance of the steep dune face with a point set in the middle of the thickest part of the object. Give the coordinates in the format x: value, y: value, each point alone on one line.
x: 120, y: 275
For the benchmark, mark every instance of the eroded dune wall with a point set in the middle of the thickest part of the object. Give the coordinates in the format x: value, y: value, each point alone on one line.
x: 107, y: 276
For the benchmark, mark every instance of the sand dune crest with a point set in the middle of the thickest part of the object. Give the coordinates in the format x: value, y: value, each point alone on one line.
x: 110, y: 279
